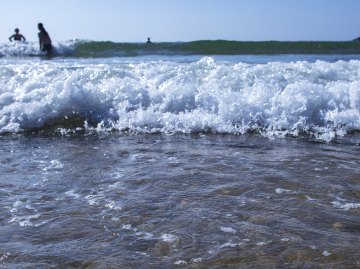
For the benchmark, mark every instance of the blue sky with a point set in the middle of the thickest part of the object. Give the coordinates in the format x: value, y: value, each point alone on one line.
x: 183, y: 20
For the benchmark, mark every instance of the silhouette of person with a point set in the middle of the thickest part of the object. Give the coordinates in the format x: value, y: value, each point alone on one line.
x: 148, y: 40
x: 16, y: 36
x: 44, y: 39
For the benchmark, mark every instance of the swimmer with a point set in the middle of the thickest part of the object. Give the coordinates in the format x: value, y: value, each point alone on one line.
x: 148, y: 40
x: 17, y: 36
x: 44, y: 39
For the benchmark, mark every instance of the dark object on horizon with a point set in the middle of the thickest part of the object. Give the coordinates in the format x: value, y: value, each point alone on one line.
x: 357, y: 39
x: 148, y: 40
x: 17, y: 36
x: 44, y: 39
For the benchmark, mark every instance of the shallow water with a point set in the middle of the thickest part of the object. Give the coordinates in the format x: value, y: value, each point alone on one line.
x: 172, y: 201
x: 179, y: 161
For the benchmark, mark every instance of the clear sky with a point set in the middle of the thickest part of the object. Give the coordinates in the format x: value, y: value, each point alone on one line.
x: 183, y: 20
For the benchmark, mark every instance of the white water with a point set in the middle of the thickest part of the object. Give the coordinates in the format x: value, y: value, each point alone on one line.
x: 32, y: 48
x: 180, y: 94
x: 169, y: 201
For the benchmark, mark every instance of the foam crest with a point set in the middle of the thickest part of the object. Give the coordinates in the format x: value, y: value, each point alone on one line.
x: 32, y: 49
x: 275, y: 99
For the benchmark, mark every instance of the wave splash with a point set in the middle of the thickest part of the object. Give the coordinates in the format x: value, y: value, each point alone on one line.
x: 16, y: 49
x: 320, y: 99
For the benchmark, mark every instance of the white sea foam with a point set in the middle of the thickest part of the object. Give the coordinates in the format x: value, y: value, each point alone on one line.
x: 54, y: 164
x: 228, y: 230
x: 73, y: 193
x: 168, y: 238
x: 182, y: 263
x: 280, y: 190
x: 127, y: 227
x: 32, y: 48
x: 346, y: 206
x: 231, y: 245
x: 275, y: 99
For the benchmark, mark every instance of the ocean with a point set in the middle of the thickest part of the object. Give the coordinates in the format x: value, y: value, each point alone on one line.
x: 204, y: 154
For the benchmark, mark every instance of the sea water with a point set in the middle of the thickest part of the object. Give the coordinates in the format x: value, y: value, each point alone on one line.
x: 178, y: 159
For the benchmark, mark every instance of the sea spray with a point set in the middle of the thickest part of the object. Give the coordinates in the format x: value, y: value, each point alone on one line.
x: 207, y: 95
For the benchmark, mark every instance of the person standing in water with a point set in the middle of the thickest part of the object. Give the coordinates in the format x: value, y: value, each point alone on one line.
x: 148, y: 40
x: 17, y: 36
x: 44, y: 39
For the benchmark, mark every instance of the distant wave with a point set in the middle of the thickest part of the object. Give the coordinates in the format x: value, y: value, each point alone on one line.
x: 96, y: 49
x: 217, y: 47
